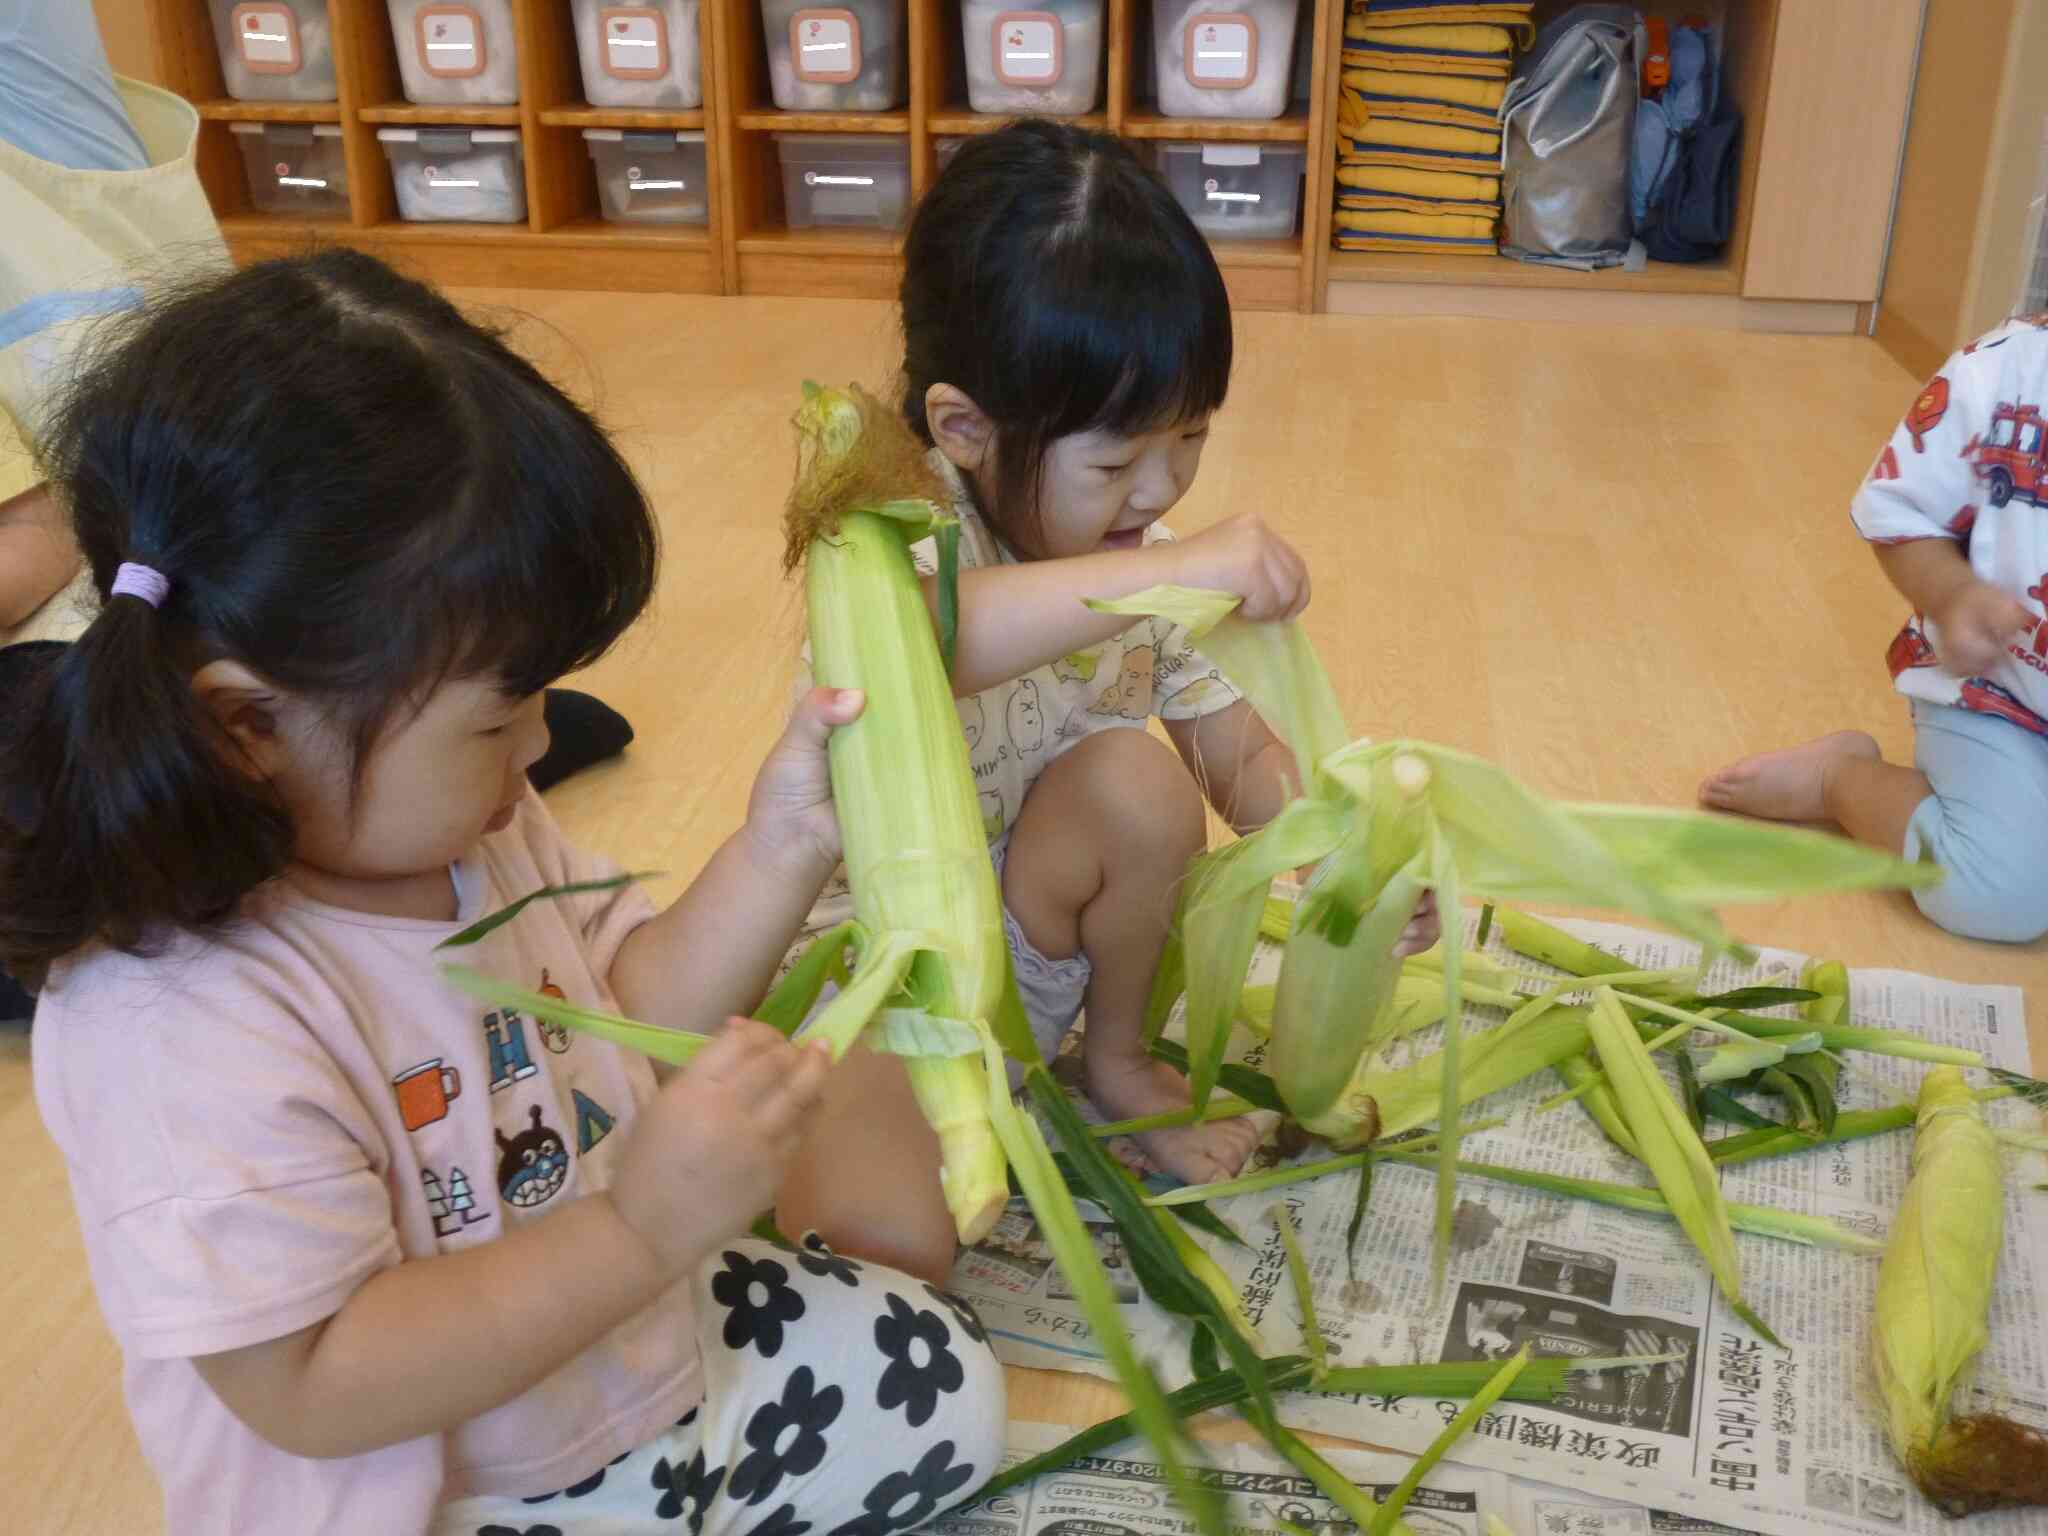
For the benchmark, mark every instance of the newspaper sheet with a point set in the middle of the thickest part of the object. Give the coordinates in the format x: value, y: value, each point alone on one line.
x: 1120, y: 1492
x: 1733, y: 1431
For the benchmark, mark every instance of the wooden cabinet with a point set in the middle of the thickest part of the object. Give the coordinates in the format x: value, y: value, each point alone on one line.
x: 1823, y: 85
x: 748, y: 246
x: 1841, y: 81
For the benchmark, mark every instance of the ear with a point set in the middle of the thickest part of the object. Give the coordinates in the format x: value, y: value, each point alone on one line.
x: 958, y: 427
x: 248, y: 708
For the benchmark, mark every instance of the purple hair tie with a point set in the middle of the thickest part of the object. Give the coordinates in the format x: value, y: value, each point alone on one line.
x: 145, y: 582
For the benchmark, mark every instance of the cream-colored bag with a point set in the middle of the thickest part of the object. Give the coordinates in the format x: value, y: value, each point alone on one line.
x: 75, y: 245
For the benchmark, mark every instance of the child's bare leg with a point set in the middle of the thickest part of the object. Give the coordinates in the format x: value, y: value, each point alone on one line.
x: 1841, y: 777
x: 1094, y: 867
x: 867, y: 1179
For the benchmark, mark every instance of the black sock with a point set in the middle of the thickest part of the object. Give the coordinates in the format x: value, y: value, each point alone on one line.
x: 582, y: 731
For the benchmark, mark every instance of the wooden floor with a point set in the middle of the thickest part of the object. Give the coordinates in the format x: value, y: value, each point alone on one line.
x: 1607, y: 558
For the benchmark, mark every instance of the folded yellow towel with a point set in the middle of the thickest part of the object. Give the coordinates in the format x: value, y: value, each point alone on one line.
x: 1390, y: 133
x: 1455, y: 90
x: 1380, y: 202
x: 1514, y: 14
x: 1412, y: 159
x: 1358, y: 107
x: 1435, y: 226
x: 1473, y: 51
x: 1442, y: 186
x: 1350, y: 240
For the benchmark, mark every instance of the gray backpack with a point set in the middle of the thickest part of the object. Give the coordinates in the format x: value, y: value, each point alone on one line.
x: 1568, y: 123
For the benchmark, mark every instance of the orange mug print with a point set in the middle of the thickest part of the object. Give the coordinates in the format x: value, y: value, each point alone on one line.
x: 424, y: 1093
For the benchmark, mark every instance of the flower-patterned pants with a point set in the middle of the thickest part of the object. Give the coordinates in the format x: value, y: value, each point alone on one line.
x: 841, y: 1399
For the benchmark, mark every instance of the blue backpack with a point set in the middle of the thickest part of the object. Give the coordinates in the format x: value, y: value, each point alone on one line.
x: 1686, y: 159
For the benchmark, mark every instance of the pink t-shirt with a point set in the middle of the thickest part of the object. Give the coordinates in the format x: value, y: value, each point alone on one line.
x: 256, y: 1125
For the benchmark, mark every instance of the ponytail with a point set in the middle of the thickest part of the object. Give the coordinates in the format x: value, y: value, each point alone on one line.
x: 124, y: 808
x: 355, y: 492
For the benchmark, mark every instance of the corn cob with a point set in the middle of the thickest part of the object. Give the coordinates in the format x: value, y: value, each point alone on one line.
x: 1933, y: 1300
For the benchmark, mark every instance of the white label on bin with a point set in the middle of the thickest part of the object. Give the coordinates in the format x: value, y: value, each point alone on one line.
x: 451, y: 39
x: 267, y: 38
x: 1212, y: 192
x: 444, y: 183
x: 635, y: 42
x: 1222, y: 51
x: 825, y: 46
x: 1030, y: 48
x: 638, y: 180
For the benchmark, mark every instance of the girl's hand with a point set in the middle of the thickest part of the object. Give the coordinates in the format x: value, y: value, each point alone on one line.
x: 790, y: 811
x: 708, y: 1153
x: 1423, y: 929
x: 1977, y: 621
x: 1244, y: 556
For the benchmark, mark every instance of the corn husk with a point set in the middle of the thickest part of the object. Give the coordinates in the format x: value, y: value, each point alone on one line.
x: 1933, y: 1305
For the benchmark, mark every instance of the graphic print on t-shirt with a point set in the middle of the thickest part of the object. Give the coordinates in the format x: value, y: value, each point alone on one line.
x: 553, y: 1036
x: 452, y: 1202
x: 533, y: 1165
x: 593, y: 1124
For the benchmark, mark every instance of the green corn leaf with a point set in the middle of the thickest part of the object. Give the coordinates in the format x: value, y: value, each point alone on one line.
x: 1689, y: 1090
x: 504, y: 915
x: 1596, y: 1097
x: 1304, y: 1286
x: 1726, y: 1063
x: 1074, y: 1250
x: 946, y: 545
x: 1196, y: 1214
x: 1853, y: 1037
x: 1247, y: 1083
x: 1258, y: 1183
x: 1445, y: 875
x: 1169, y: 981
x: 1670, y: 1148
x: 1763, y: 1220
x: 1485, y: 926
x: 1731, y: 861
x: 1335, y: 1486
x: 1273, y: 665
x: 1723, y: 1105
x: 793, y: 998
x: 1390, y: 1512
x: 1358, y: 1206
x: 879, y: 977
x: 1750, y: 997
x: 675, y: 1046
x: 1220, y: 906
x: 1202, y: 1357
x: 1109, y: 1186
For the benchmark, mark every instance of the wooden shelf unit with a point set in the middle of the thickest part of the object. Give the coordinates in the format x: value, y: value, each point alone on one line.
x: 747, y: 246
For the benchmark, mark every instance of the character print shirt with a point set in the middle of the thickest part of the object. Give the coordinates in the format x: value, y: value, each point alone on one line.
x: 1970, y: 463
x: 256, y: 1125
x: 1014, y: 729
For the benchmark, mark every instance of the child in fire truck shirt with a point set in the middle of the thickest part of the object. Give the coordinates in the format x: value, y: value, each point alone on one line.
x: 1956, y: 511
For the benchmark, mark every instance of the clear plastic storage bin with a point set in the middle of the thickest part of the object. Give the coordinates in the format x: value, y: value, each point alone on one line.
x: 457, y: 175
x: 1040, y: 57
x: 295, y: 168
x: 456, y: 53
x: 836, y: 58
x: 639, y: 55
x: 1237, y: 191
x: 274, y: 50
x: 858, y: 180
x: 650, y: 178
x: 1224, y: 58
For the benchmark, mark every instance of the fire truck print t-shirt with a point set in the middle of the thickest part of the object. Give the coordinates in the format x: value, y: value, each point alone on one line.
x: 1970, y: 463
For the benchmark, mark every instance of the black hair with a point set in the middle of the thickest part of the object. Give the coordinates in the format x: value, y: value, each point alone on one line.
x: 354, y: 491
x: 1055, y: 280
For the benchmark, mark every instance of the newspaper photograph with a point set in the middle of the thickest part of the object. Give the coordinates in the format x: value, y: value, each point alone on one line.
x: 1715, y: 1428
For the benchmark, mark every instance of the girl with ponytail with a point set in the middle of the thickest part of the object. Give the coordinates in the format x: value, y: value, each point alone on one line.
x: 380, y: 1259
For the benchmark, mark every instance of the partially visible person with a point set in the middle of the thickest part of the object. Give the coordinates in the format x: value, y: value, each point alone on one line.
x: 1956, y: 512
x: 98, y: 188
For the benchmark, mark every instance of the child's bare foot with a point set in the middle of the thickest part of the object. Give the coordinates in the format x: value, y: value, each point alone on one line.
x: 1789, y: 785
x: 1133, y: 1088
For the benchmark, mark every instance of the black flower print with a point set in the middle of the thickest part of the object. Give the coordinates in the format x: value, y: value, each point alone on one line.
x: 787, y: 1438
x: 759, y: 1299
x: 821, y: 1261
x: 782, y: 1523
x: 589, y: 1485
x: 963, y: 1312
x: 905, y: 1499
x: 509, y: 1530
x: 686, y: 1487
x: 921, y: 1366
